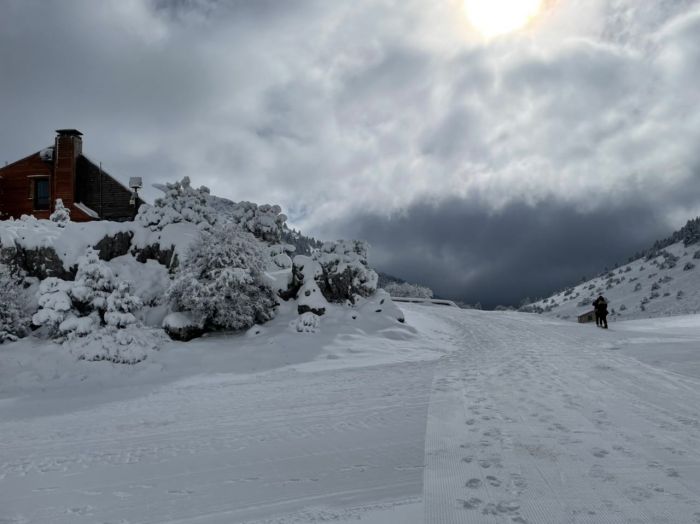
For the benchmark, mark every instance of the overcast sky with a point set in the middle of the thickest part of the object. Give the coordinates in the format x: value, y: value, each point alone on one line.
x: 487, y: 168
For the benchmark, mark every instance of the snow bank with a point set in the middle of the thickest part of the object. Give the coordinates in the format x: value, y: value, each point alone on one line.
x: 69, y: 241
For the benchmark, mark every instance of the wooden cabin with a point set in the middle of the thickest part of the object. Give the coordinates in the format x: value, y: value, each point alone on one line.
x: 31, y: 185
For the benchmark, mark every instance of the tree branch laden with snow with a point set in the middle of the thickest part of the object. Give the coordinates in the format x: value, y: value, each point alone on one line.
x: 181, y: 203
x: 221, y: 281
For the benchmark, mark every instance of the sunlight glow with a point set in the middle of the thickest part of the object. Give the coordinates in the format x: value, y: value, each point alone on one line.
x: 497, y: 17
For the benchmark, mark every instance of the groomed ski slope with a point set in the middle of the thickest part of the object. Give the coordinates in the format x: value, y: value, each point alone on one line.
x: 478, y: 417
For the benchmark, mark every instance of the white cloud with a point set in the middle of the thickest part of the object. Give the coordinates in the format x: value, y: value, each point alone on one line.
x: 328, y: 108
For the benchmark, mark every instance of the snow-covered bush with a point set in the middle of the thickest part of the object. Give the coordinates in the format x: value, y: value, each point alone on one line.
x: 337, y: 273
x: 670, y: 260
x: 307, y: 273
x: 127, y: 345
x: 182, y: 326
x: 61, y: 214
x: 121, y: 305
x: 13, y: 322
x: 279, y: 258
x: 94, y: 306
x: 94, y: 282
x: 265, y: 222
x: 405, y: 289
x: 688, y: 266
x: 55, y: 304
x: 345, y: 270
x: 220, y: 282
x: 181, y: 203
x: 307, y: 323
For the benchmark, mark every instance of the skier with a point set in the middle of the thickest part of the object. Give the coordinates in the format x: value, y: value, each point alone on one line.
x: 601, y: 312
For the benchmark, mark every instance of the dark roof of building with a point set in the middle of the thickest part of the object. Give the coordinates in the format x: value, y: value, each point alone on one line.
x: 69, y: 132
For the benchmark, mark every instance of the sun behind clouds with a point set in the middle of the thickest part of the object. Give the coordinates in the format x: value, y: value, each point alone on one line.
x: 497, y: 17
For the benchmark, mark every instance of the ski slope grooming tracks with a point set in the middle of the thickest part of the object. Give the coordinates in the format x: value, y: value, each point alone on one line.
x: 540, y: 421
x: 337, y: 441
x: 529, y: 419
x: 224, y: 450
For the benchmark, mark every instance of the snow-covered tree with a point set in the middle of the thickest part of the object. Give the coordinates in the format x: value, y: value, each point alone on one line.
x: 307, y: 274
x: 121, y: 305
x: 94, y: 282
x: 220, y: 282
x: 55, y: 304
x: 338, y: 273
x: 61, y: 214
x: 181, y: 203
x: 93, y: 300
x: 345, y: 270
x: 12, y: 318
x: 404, y: 289
x: 265, y: 222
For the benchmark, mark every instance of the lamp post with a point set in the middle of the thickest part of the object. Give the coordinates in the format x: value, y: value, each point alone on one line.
x: 135, y: 183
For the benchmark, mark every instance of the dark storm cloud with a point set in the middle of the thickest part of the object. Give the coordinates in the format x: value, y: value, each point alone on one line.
x: 467, y: 252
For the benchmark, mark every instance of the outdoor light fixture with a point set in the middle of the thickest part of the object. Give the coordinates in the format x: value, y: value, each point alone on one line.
x: 135, y: 183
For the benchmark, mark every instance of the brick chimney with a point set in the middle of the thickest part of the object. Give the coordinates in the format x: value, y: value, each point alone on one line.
x: 69, y: 146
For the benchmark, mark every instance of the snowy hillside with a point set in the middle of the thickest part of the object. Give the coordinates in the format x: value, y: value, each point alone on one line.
x: 665, y: 281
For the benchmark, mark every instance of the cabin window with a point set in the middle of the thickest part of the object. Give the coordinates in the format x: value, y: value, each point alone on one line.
x: 42, y: 198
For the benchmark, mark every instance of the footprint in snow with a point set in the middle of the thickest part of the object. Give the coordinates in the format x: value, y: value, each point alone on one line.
x: 472, y: 503
x: 473, y: 483
x: 500, y: 508
x: 638, y: 494
x: 598, y: 472
x: 623, y: 450
x: 518, y: 481
x: 493, y: 481
x: 181, y: 492
x: 599, y: 452
x: 489, y: 462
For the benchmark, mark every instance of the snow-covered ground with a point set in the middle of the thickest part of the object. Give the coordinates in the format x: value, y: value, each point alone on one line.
x: 457, y: 416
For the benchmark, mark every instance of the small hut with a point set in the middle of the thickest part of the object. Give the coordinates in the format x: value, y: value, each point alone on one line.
x: 586, y: 317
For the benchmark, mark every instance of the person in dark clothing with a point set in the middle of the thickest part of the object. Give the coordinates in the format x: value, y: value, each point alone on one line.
x: 596, y: 311
x: 601, y: 312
